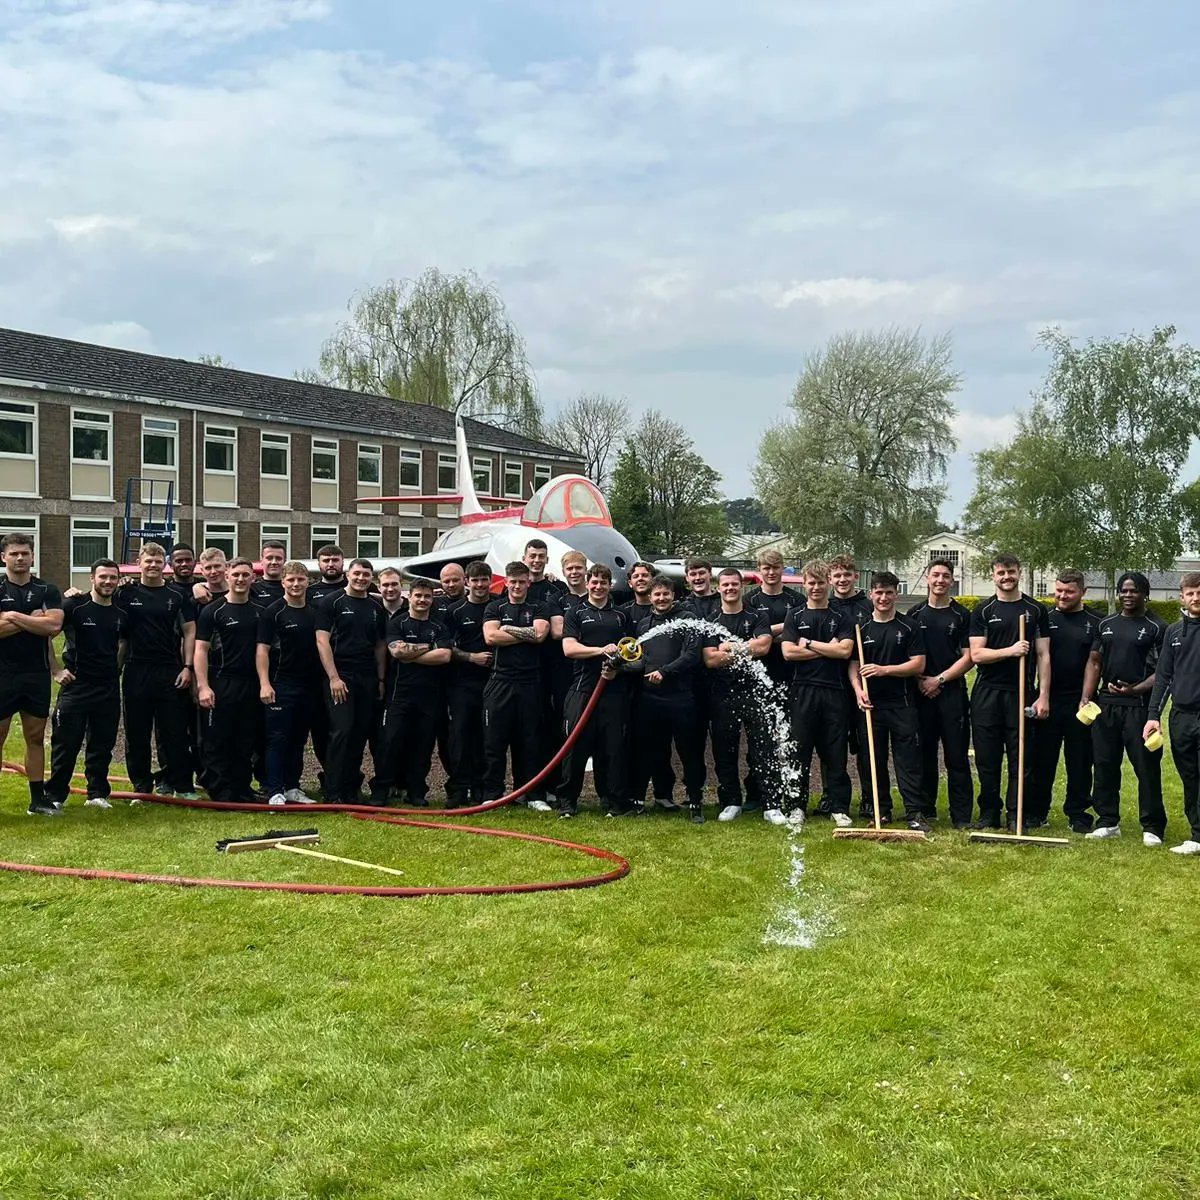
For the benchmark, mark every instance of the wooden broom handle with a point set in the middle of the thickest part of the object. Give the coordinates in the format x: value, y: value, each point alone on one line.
x: 1022, y: 664
x: 870, y: 732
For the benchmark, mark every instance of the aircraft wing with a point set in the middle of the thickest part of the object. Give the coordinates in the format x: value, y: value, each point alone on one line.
x: 429, y: 564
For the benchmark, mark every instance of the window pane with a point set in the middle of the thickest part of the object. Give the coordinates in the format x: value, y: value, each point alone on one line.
x: 410, y: 469
x: 482, y: 475
x: 218, y: 456
x: 512, y: 479
x: 89, y: 443
x: 221, y: 537
x: 90, y: 540
x: 274, y: 460
x: 16, y: 436
x: 368, y: 468
x: 369, y: 543
x: 410, y: 542
x: 447, y: 476
x: 158, y: 450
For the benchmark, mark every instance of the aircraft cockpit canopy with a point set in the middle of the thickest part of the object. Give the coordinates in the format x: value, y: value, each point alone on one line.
x: 564, y: 501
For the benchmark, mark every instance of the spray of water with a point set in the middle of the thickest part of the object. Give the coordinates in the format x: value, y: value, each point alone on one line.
x: 799, y: 922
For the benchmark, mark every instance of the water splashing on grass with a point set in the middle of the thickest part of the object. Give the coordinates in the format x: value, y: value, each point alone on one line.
x: 799, y: 921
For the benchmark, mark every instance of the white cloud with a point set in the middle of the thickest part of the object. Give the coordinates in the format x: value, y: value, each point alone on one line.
x: 124, y: 335
x: 91, y: 225
x: 977, y: 431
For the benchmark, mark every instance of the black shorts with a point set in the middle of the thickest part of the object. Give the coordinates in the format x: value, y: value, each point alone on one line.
x: 25, y: 692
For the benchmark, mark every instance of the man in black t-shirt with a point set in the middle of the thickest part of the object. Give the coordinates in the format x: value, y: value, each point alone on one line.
x: 1120, y: 678
x: 884, y: 683
x: 331, y: 574
x: 269, y: 588
x: 664, y: 711
x: 591, y: 632
x: 157, y: 680
x: 816, y: 642
x: 776, y: 601
x: 546, y: 593
x: 227, y: 687
x: 1000, y: 655
x: 470, y: 667
x: 1074, y: 636
x: 408, y: 722
x: 513, y: 629
x: 183, y: 568
x: 639, y: 606
x: 31, y: 614
x: 89, y: 697
x: 943, y: 704
x: 289, y: 683
x: 730, y: 704
x: 350, y: 642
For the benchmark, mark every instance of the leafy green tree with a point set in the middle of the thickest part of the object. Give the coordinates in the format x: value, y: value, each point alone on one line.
x: 629, y: 502
x: 860, y: 463
x: 747, y: 515
x: 1092, y: 478
x: 594, y: 426
x: 444, y: 340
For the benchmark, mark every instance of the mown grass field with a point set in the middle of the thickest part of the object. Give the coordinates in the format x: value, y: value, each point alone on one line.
x: 972, y: 1021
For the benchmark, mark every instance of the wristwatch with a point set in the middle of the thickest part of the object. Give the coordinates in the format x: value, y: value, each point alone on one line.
x: 941, y: 680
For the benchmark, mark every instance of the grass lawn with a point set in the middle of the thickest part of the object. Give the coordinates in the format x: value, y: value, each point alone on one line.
x: 971, y: 1021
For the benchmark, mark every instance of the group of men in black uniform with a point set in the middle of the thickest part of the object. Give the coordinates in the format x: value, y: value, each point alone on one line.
x: 234, y: 675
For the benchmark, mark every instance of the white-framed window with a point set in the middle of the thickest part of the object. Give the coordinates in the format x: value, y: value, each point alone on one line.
x: 275, y: 455
x: 324, y: 460
x: 481, y: 474
x: 220, y: 449
x: 160, y: 443
x: 447, y: 478
x: 953, y: 557
x: 410, y: 469
x: 24, y: 523
x: 323, y: 535
x: 18, y: 448
x: 542, y: 473
x: 221, y: 535
x: 370, y: 542
x: 512, y: 477
x: 91, y: 437
x: 91, y: 538
x: 370, y: 463
x: 410, y: 543
x: 277, y: 533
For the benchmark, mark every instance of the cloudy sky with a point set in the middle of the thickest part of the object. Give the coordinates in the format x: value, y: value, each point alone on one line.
x: 678, y: 199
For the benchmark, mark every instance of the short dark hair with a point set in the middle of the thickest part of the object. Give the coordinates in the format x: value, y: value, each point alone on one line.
x: 424, y: 585
x: 725, y: 571
x: 1070, y: 575
x: 1006, y: 560
x: 274, y: 544
x: 640, y: 563
x: 940, y: 562
x: 842, y: 562
x: 330, y: 548
x: 1190, y: 579
x: 16, y: 539
x: 885, y: 579
x: 478, y: 570
x: 660, y: 581
x: 182, y: 546
x: 517, y: 568
x: 362, y: 562
x: 240, y: 562
x: 696, y: 564
x: 536, y: 544
x: 389, y: 571
x: 1138, y: 580
x: 109, y: 563
x: 600, y: 571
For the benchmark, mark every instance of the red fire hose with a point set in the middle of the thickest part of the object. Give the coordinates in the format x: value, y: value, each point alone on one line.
x: 367, y: 812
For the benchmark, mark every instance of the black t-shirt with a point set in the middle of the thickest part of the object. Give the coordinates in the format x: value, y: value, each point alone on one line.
x: 407, y: 680
x: 182, y: 586
x: 91, y: 633
x: 443, y: 606
x: 323, y: 588
x: 777, y: 609
x: 265, y: 592
x: 1073, y: 637
x: 705, y: 607
x: 26, y: 651
x: 546, y: 593
x: 818, y: 625
x: 636, y: 612
x: 464, y: 622
x: 946, y: 635
x: 231, y: 630
x: 858, y: 607
x: 746, y: 625
x: 291, y: 632
x: 891, y: 644
x: 592, y: 626
x: 156, y: 617
x: 1178, y: 672
x: 356, y: 625
x: 676, y: 654
x: 520, y: 663
x: 1129, y: 649
x: 999, y: 622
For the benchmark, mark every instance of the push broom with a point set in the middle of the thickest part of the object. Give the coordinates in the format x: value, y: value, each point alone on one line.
x: 1019, y: 838
x: 877, y: 833
x: 294, y: 841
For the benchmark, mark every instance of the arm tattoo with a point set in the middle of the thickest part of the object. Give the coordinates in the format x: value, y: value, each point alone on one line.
x: 523, y: 633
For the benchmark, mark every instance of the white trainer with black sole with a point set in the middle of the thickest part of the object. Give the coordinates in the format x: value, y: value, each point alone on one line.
x: 278, y: 800
x: 730, y: 812
x: 1103, y: 831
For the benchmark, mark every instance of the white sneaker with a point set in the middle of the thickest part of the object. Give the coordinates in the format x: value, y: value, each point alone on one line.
x: 1188, y: 847
x: 296, y: 796
x: 796, y: 818
x: 843, y: 820
x: 1103, y: 831
x: 1151, y: 839
x: 774, y: 816
x: 96, y: 802
x: 730, y: 812
x: 278, y: 800
x: 538, y: 806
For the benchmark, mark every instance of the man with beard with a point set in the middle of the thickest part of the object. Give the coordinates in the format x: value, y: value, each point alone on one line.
x: 818, y: 642
x: 331, y: 574
x: 89, y: 696
x: 943, y: 705
x: 1000, y: 654
x: 183, y: 568
x: 884, y: 683
x: 420, y: 649
x: 513, y: 630
x: 1121, y: 676
x: 591, y: 632
x: 227, y: 686
x: 289, y: 681
x: 730, y: 710
x: 546, y: 594
x: 470, y: 667
x: 1074, y: 636
x: 1178, y: 677
x: 266, y: 591
x: 157, y: 681
x: 454, y: 589
x: 664, y: 711
x: 350, y: 643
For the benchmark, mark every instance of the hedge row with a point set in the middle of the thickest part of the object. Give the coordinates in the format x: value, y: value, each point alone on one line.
x: 1165, y: 610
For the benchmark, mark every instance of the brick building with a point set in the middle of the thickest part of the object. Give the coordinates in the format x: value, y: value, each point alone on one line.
x: 250, y: 457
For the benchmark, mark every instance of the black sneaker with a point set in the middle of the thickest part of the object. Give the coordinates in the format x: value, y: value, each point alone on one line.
x: 920, y: 824
x: 43, y: 808
x: 985, y: 823
x: 566, y: 812
x: 418, y: 802
x: 697, y: 815
x: 824, y: 808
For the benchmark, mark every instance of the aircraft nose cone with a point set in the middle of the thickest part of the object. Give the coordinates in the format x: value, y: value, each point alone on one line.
x: 602, y: 543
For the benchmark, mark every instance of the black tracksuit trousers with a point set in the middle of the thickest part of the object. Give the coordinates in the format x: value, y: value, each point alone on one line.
x: 404, y: 743
x: 287, y: 723
x: 603, y: 740
x: 729, y: 714
x: 464, y: 740
x: 1185, y: 750
x: 658, y: 722
x: 995, y: 730
x: 509, y: 706
x: 818, y: 716
x: 83, y: 711
x: 350, y: 725
x: 153, y: 701
x: 1061, y: 733
x: 1117, y: 732
x: 896, y: 729
x: 231, y: 727
x: 945, y: 722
